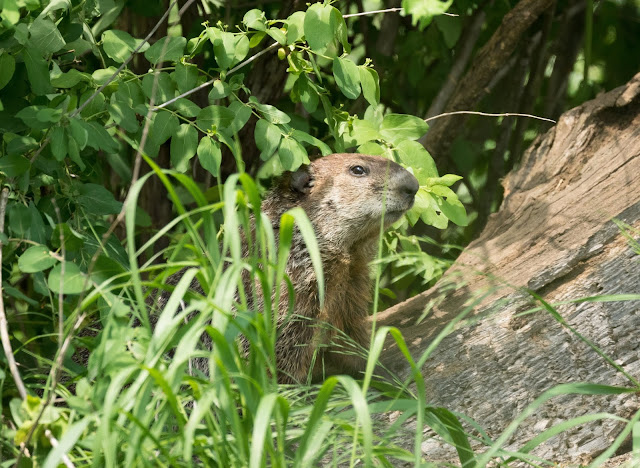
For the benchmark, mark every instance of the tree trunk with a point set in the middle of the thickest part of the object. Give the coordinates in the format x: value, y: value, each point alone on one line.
x: 554, y: 236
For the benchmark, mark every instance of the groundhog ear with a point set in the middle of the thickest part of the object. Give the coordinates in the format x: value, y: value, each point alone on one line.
x: 301, y: 181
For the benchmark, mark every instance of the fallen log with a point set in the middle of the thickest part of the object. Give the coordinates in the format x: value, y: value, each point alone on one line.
x: 553, y: 236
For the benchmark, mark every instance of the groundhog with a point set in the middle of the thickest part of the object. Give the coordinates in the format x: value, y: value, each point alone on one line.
x: 346, y: 197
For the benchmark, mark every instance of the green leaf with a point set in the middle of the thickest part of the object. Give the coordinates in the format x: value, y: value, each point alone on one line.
x: 277, y: 35
x: 447, y: 180
x: 305, y: 137
x: 164, y: 126
x: 73, y: 240
x: 399, y: 127
x: 79, y: 133
x: 209, y: 155
x: 99, y: 138
x: 347, y: 77
x: 123, y: 115
x: 292, y: 154
x: 422, y: 11
x: 242, y: 114
x: 185, y: 76
x: 451, y: 28
x: 97, y: 200
x: 21, y: 145
x: 214, y: 116
x: 74, y: 153
x: 256, y: 39
x: 130, y: 92
x: 219, y: 90
x: 29, y: 115
x: 185, y: 107
x: 44, y: 36
x: 166, y: 49
x: 448, y: 203
x: 371, y: 148
x: 36, y: 258
x: 340, y: 29
x: 183, y: 146
x: 413, y: 154
x: 73, y: 281
x: 165, y: 88
x: 37, y: 71
x: 118, y: 45
x: 318, y: 27
x: 370, y: 85
x: 7, y: 67
x: 228, y: 48
x: 14, y: 165
x: 295, y: 27
x: 267, y: 137
x: 10, y: 11
x: 49, y: 115
x: 103, y: 75
x: 255, y: 19
x: 95, y: 106
x: 58, y: 143
x: 241, y: 49
x: 307, y: 93
x: 69, y: 79
x: 363, y: 131
x: 19, y: 218
x: 427, y: 209
x: 271, y: 113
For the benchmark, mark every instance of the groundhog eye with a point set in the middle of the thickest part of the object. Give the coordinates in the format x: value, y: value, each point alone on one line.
x: 358, y: 171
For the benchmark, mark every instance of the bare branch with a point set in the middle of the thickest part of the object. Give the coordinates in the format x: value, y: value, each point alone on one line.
x: 4, y: 324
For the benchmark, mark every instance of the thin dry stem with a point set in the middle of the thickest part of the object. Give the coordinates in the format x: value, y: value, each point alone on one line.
x: 62, y: 272
x: 4, y: 324
x: 486, y: 114
x: 54, y: 443
x: 210, y: 82
x: 55, y: 372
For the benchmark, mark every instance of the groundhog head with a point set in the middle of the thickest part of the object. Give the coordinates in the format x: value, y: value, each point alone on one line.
x: 347, y: 196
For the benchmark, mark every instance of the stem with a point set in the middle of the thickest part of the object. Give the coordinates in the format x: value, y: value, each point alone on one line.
x: 4, y: 324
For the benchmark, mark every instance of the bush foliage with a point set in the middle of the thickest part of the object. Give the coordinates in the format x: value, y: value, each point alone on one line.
x: 91, y: 115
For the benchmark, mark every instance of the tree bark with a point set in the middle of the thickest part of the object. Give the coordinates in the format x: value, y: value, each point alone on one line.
x: 554, y: 236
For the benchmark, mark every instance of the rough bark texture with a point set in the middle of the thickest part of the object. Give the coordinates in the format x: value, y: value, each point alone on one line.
x: 553, y: 235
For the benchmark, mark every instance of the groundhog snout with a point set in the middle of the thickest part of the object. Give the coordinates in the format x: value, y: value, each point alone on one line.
x: 405, y: 185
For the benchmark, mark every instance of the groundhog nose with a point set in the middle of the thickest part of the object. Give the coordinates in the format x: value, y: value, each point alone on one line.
x: 408, y: 185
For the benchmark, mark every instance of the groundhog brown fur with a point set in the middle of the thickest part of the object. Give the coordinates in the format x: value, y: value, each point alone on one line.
x: 345, y: 197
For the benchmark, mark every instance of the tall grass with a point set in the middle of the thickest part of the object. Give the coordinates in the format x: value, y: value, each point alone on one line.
x: 142, y: 402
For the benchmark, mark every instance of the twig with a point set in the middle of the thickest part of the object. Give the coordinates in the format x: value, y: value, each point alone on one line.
x: 54, y: 443
x: 4, y: 324
x: 259, y: 54
x: 386, y: 10
x: 55, y: 372
x: 364, y: 13
x: 210, y: 82
x: 486, y: 114
x: 62, y: 272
